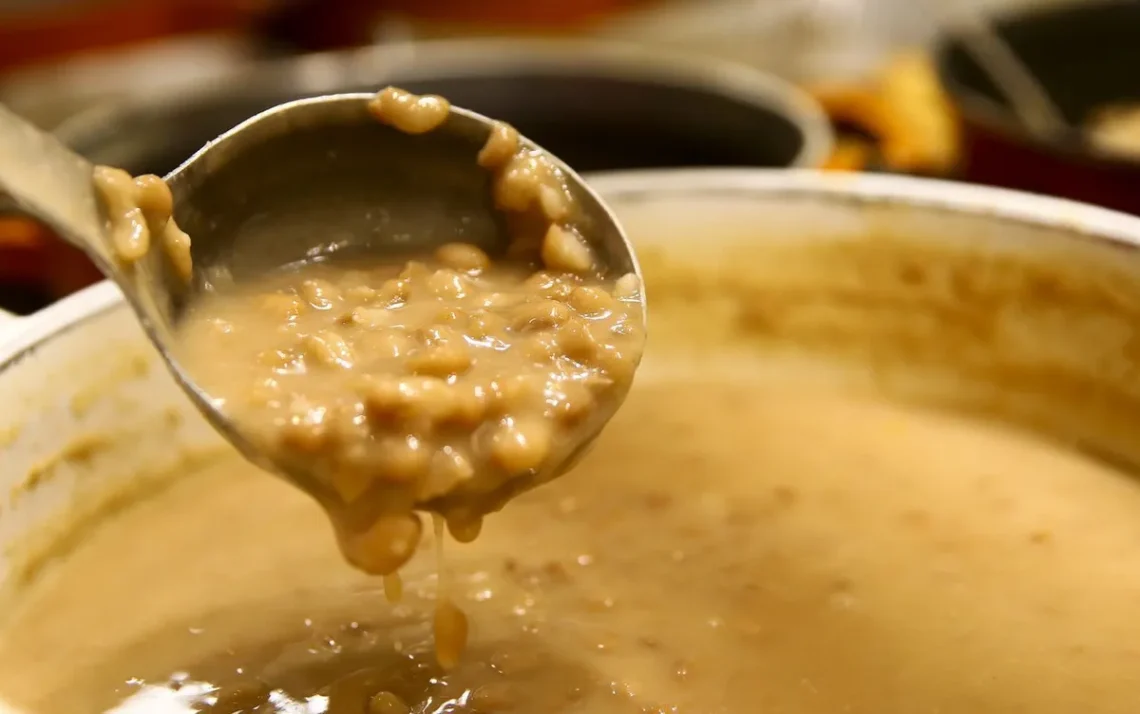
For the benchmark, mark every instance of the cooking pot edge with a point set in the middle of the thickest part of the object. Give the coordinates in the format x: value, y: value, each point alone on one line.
x: 20, y: 335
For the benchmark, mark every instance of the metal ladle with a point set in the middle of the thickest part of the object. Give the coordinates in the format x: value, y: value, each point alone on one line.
x: 298, y: 182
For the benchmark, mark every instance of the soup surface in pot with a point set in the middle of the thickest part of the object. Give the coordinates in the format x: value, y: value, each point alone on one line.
x: 727, y: 547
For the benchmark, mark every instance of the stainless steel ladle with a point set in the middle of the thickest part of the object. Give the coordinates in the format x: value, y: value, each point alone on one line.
x: 299, y: 181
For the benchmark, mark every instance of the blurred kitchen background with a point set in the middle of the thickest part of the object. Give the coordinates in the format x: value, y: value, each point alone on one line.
x: 909, y: 86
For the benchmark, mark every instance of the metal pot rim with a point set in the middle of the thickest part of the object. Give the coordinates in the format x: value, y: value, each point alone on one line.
x: 1081, y: 220
x: 330, y: 72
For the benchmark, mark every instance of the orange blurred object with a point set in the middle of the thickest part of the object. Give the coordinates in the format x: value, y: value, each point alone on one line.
x: 904, y: 109
x: 32, y: 257
x: 40, y: 32
x: 850, y: 154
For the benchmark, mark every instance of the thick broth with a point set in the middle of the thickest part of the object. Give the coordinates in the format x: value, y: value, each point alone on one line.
x: 726, y: 548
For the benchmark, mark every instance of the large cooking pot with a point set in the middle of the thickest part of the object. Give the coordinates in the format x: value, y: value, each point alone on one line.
x: 1016, y: 307
x: 598, y: 106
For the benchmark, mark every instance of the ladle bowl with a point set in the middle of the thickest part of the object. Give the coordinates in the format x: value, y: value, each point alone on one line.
x: 301, y: 181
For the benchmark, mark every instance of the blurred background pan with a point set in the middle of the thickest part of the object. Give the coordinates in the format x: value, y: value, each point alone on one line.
x: 598, y: 105
x: 1085, y: 55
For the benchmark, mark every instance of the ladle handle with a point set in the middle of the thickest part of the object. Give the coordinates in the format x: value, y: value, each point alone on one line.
x: 51, y: 183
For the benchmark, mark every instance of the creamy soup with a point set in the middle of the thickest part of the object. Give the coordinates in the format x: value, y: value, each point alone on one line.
x: 451, y: 383
x: 727, y: 547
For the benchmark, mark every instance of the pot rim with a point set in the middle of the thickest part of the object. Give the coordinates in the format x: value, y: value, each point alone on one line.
x: 1082, y: 220
x: 1024, y: 207
x: 329, y: 72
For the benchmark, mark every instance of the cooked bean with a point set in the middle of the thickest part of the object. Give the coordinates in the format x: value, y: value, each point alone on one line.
x: 361, y: 293
x: 329, y: 349
x: 591, y: 300
x: 305, y: 434
x: 384, y: 398
x: 153, y: 197
x: 555, y: 202
x: 441, y: 360
x: 577, y: 342
x: 502, y: 143
x: 483, y: 324
x: 501, y: 300
x: 130, y: 234
x: 401, y: 459
x: 393, y: 292
x: 470, y: 406
x: 556, y: 286
x: 519, y: 446
x: 447, y: 284
x: 463, y: 257
x: 518, y: 393
x: 408, y: 112
x: 563, y: 249
x: 541, y: 348
x: 540, y: 315
x: 384, y: 344
x: 424, y: 399
x: 516, y: 186
x: 627, y: 287
x: 571, y: 402
x: 371, y: 317
x: 617, y: 364
x: 449, y: 468
x: 384, y: 546
x: 321, y: 294
x: 438, y: 400
x: 436, y: 335
x: 177, y: 245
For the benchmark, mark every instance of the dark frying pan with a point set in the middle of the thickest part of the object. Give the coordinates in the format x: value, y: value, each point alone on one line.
x: 1086, y: 56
